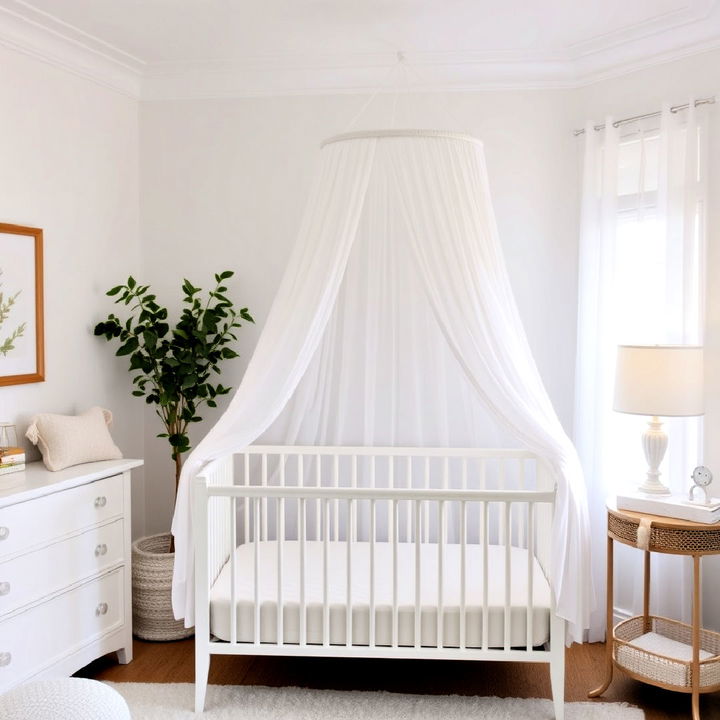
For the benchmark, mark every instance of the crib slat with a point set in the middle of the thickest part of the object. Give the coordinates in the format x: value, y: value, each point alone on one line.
x: 348, y: 579
x: 408, y: 505
x: 391, y: 484
x: 373, y: 533
x: 353, y: 483
x: 318, y: 482
x: 523, y: 528
x: 303, y: 611
x: 485, y: 540
x: 418, y: 539
x: 326, y: 603
x: 256, y: 570
x: 246, y: 508
x: 300, y: 473
x: 441, y: 573
x: 233, y: 570
x: 508, y: 574
x: 336, y: 504
x: 280, y: 532
x: 394, y: 512
x: 530, y: 574
x: 502, y: 533
x: 427, y: 505
x: 463, y: 571
x: 264, y: 482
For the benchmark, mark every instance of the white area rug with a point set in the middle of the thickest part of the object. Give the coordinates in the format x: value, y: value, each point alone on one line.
x: 155, y: 701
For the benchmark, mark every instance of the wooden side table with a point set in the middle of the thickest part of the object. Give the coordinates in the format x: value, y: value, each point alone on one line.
x: 653, y: 649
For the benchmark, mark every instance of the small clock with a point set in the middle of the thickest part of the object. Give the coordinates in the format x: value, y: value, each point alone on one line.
x: 702, y: 477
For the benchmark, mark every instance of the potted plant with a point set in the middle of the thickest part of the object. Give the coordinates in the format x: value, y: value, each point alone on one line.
x: 174, y: 369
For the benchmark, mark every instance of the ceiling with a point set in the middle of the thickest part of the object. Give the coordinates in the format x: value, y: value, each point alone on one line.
x: 177, y: 48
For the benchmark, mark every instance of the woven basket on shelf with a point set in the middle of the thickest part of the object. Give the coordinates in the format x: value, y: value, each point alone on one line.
x: 668, y: 672
x: 152, y: 571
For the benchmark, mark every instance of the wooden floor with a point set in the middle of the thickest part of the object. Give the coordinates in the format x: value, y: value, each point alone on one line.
x: 173, y: 662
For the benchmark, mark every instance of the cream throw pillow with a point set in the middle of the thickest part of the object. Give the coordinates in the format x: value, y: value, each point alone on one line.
x: 66, y: 440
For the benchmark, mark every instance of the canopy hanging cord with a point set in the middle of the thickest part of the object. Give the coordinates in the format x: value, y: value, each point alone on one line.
x: 386, y: 83
x: 404, y: 84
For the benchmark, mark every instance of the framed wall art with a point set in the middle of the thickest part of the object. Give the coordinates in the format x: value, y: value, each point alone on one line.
x: 22, y: 351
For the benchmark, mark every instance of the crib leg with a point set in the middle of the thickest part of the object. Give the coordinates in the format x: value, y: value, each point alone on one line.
x: 202, y: 669
x: 557, y: 665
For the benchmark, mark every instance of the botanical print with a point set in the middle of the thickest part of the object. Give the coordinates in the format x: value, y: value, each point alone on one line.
x: 7, y: 341
x: 21, y: 356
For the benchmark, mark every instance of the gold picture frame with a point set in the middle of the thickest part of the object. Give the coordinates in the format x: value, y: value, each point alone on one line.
x: 22, y: 335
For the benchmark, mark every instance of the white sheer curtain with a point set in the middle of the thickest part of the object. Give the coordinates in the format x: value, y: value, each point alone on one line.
x: 641, y: 280
x: 395, y: 323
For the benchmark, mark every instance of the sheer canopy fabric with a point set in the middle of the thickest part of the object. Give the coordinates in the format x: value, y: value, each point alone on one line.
x: 395, y: 323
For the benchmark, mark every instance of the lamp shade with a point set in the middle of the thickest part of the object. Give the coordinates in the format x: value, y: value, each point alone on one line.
x: 659, y: 380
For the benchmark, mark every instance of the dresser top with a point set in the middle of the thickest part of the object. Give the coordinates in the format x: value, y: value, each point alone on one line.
x: 36, y: 480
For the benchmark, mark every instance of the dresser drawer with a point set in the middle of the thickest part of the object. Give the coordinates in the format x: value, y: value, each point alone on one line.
x: 35, y: 639
x: 34, y: 523
x: 43, y: 572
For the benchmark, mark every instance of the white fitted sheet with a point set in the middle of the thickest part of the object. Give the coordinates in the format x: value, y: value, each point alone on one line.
x: 220, y: 599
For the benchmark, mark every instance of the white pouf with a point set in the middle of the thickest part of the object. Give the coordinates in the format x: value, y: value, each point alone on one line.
x: 63, y: 699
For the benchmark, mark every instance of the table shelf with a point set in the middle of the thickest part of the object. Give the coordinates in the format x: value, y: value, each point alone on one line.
x: 658, y: 651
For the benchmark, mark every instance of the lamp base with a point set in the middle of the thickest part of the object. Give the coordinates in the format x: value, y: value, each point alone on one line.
x: 653, y: 487
x: 654, y: 442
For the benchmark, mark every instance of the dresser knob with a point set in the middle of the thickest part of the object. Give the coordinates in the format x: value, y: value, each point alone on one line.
x: 5, y: 658
x: 100, y: 501
x: 4, y: 532
x: 101, y: 609
x: 4, y: 588
x: 101, y: 550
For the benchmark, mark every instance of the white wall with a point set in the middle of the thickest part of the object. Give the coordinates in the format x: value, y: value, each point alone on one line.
x: 68, y: 152
x: 223, y: 185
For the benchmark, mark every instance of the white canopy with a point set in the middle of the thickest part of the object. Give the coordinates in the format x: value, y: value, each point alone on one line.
x: 395, y: 323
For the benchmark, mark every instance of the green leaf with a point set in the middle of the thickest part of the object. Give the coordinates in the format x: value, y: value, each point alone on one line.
x: 128, y: 347
x: 115, y: 290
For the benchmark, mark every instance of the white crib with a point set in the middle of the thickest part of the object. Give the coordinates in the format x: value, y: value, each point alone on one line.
x: 375, y: 552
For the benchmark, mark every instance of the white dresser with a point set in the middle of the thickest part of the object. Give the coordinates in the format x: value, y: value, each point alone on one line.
x: 65, y: 593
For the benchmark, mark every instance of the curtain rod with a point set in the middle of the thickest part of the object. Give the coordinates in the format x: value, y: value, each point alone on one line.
x: 673, y: 109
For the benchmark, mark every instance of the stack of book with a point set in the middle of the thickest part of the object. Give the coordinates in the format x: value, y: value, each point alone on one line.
x: 12, y: 459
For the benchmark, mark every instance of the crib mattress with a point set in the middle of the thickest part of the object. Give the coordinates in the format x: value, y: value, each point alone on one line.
x: 220, y: 598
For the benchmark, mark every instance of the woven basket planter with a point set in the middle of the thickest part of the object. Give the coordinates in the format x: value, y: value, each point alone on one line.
x: 152, y: 571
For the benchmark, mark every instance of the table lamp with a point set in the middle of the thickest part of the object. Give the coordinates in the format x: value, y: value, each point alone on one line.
x: 658, y: 380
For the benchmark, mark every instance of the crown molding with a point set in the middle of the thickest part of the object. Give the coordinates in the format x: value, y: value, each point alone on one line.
x: 42, y: 36
x: 350, y: 74
x: 629, y: 49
